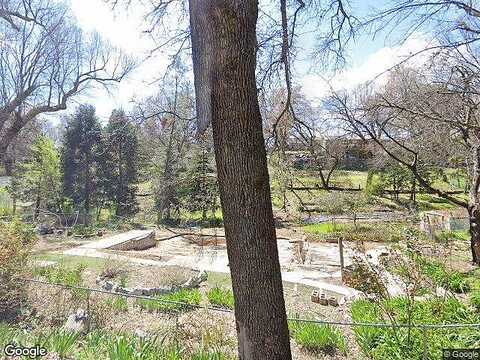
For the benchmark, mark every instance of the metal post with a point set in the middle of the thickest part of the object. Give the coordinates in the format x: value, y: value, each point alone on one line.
x: 340, y: 248
x: 425, y: 343
x: 89, y: 318
x: 176, y: 329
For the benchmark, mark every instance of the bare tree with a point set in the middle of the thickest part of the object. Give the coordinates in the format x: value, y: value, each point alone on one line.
x: 421, y: 117
x: 15, y: 12
x: 168, y: 127
x: 45, y: 63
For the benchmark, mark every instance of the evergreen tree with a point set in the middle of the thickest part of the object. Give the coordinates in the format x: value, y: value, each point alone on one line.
x: 39, y: 176
x: 83, y: 159
x: 202, y: 190
x: 121, y: 164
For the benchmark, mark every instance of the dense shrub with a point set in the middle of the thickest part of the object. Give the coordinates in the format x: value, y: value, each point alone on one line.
x: 360, y: 276
x: 375, y: 185
x: 16, y: 240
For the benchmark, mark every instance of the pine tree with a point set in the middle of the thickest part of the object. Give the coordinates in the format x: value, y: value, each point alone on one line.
x: 82, y: 159
x: 121, y: 164
x: 202, y: 190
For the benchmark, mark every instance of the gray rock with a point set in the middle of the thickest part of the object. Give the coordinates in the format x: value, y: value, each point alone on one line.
x: 78, y: 322
x: 141, y: 334
x: 192, y: 282
x: 44, y: 229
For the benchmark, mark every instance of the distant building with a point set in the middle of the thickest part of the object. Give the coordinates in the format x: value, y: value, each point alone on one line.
x: 353, y: 154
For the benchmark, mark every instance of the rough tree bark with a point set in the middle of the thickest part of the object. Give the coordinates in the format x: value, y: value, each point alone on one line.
x: 474, y: 205
x: 224, y: 58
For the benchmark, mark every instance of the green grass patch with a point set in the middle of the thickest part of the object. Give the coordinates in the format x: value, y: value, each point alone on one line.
x: 118, y: 304
x: 449, y: 279
x: 6, y: 204
x: 220, y: 296
x: 324, y: 228
x: 400, y: 343
x: 475, y: 300
x: 61, y: 342
x: 105, y: 345
x: 208, y: 355
x: 178, y: 301
x: 428, y: 202
x: 317, y: 337
x: 381, y: 232
x: 60, y: 274
x: 72, y: 262
x: 461, y: 235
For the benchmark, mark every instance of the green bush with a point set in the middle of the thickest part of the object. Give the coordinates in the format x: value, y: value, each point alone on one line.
x: 175, y: 302
x: 375, y: 185
x: 317, y: 337
x: 16, y: 240
x: 221, y: 297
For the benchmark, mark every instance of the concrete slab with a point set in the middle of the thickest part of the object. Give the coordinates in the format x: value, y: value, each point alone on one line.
x: 130, y: 240
x: 320, y: 270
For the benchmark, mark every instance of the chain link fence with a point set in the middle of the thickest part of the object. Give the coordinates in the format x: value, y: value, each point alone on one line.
x: 186, y: 322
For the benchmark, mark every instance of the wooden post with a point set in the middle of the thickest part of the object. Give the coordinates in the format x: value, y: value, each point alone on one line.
x: 340, y: 248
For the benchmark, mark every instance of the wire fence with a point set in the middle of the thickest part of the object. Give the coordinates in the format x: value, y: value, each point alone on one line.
x: 67, y: 299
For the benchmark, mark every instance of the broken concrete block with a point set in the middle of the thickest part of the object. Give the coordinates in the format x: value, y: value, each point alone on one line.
x: 323, y: 299
x: 131, y: 240
x: 332, y: 301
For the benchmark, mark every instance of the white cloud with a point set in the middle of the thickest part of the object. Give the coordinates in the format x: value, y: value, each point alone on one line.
x: 123, y: 28
x: 372, y: 69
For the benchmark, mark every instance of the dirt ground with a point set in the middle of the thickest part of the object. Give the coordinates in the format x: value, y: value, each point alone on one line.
x: 53, y: 305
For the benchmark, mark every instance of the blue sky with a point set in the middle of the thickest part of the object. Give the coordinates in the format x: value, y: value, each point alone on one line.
x: 367, y: 57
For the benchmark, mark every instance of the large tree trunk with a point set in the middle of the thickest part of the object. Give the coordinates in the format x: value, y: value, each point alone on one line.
x: 224, y: 56
x: 474, y: 218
